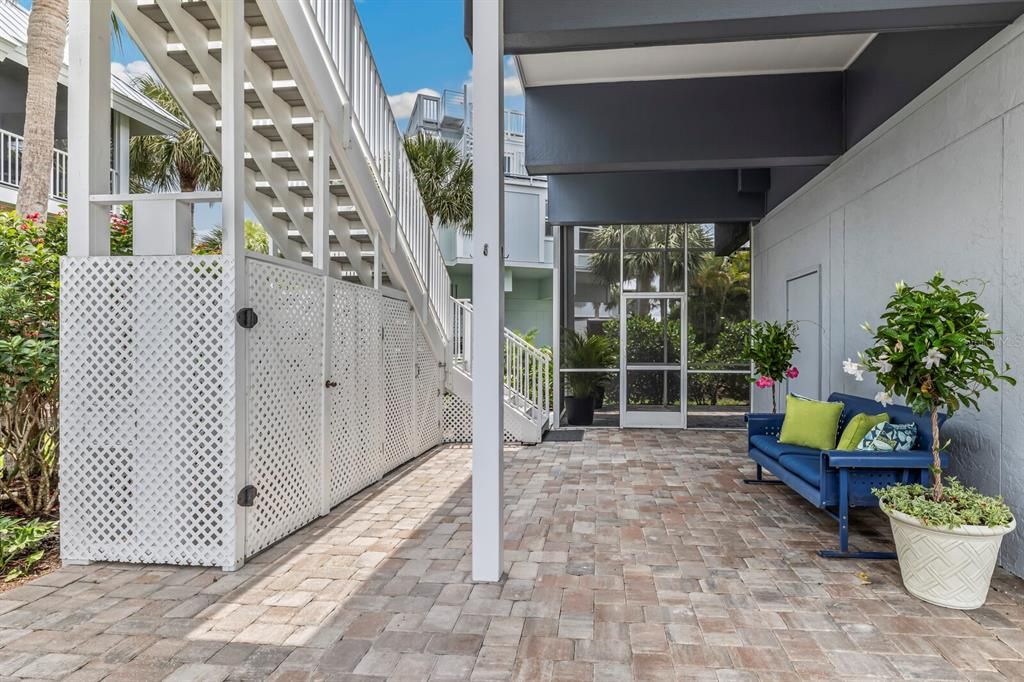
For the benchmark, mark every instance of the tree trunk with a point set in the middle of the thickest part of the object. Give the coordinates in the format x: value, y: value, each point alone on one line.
x: 47, y: 32
x: 936, y: 459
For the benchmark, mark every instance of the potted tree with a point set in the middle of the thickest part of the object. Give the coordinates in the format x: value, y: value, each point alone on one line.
x: 934, y: 350
x: 770, y: 346
x: 585, y: 352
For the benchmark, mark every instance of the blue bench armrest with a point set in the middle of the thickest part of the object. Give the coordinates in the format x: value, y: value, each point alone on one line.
x: 764, y: 424
x: 903, y: 459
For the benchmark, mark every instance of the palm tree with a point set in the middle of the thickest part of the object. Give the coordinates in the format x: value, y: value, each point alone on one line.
x: 180, y: 162
x: 445, y: 180
x: 643, y: 246
x: 47, y: 33
x: 212, y: 242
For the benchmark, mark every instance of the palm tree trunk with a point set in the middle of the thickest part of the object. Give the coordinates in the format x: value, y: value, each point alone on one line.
x: 47, y: 31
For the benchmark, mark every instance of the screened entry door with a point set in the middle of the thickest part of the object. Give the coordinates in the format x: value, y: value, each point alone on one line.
x: 652, y: 361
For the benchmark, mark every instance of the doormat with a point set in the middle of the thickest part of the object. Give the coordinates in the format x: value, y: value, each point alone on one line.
x: 563, y: 436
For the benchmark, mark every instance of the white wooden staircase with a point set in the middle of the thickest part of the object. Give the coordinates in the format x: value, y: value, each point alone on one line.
x: 308, y: 66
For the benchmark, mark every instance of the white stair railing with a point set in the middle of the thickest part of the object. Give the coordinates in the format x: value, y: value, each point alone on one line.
x: 527, y: 368
x: 375, y: 128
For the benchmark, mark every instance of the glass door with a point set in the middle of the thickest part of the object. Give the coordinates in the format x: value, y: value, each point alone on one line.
x: 652, y: 362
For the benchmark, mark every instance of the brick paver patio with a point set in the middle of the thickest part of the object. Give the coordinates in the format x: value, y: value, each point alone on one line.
x: 632, y: 555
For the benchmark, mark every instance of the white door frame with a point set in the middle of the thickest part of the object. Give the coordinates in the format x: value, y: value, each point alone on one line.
x: 652, y: 419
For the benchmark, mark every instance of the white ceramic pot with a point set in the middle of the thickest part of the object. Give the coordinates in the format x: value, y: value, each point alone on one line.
x: 950, y: 567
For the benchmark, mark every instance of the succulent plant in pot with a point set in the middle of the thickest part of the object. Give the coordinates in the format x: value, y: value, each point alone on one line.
x: 591, y: 353
x: 934, y: 350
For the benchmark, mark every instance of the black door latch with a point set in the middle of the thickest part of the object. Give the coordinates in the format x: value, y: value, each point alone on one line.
x: 247, y: 318
x: 247, y: 496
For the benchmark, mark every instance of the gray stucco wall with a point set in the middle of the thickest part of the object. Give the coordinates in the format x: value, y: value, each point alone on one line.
x: 940, y: 186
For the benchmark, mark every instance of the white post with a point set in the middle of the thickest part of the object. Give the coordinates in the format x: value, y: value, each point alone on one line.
x: 322, y: 261
x: 122, y: 158
x: 234, y: 39
x: 88, y: 127
x: 488, y: 288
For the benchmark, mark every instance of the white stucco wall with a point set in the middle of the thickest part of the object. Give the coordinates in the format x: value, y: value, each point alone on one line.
x: 938, y: 187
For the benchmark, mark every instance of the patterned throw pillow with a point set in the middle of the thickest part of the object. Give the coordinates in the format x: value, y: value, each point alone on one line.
x: 889, y: 437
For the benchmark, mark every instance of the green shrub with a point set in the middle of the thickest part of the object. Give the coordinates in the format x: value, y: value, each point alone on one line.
x: 20, y: 545
x: 960, y: 505
x: 30, y: 252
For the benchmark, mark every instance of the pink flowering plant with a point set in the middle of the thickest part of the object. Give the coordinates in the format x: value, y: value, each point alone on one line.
x: 933, y: 350
x: 770, y: 347
x: 30, y: 251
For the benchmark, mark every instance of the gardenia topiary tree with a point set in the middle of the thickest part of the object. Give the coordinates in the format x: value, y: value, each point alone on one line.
x: 933, y: 350
x: 770, y: 346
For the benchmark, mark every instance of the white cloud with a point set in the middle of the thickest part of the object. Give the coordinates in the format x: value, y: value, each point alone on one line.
x: 402, y: 103
x: 132, y: 70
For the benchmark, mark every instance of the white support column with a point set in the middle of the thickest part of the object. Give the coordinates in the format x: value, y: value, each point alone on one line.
x: 488, y: 289
x: 89, y: 127
x: 322, y: 209
x: 122, y: 156
x: 233, y: 37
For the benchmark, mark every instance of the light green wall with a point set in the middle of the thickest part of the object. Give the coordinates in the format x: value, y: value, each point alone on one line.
x: 527, y: 306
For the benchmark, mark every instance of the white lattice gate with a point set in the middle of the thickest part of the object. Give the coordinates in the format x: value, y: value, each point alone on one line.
x: 340, y: 388
x: 148, y: 446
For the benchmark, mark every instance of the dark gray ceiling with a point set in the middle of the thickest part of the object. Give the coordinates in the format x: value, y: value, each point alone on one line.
x: 688, y: 143
x: 539, y: 26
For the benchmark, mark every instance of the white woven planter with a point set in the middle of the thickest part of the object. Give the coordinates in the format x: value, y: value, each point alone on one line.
x: 950, y: 567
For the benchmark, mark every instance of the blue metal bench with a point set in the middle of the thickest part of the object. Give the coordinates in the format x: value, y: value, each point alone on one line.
x: 837, y: 480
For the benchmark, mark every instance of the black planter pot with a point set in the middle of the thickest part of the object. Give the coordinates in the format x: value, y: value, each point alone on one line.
x: 599, y: 398
x: 579, y: 411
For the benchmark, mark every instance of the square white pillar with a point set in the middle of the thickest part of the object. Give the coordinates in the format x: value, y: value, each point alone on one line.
x: 89, y: 127
x: 488, y: 289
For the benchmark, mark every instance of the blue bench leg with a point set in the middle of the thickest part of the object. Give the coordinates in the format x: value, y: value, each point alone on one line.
x: 761, y: 480
x: 844, y: 527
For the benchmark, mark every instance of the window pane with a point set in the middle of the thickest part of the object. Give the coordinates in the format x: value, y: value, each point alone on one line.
x: 605, y: 237
x: 653, y: 333
x: 656, y: 390
x: 719, y: 306
x: 717, y: 401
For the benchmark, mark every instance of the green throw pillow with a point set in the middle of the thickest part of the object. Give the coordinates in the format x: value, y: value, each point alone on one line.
x: 810, y: 423
x: 858, y: 428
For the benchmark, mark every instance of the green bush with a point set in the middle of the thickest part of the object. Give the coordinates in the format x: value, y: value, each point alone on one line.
x: 30, y: 251
x: 20, y: 545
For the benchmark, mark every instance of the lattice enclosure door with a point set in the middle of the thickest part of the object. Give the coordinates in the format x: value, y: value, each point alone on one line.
x: 399, y: 369
x: 429, y: 395
x: 355, y: 457
x: 147, y: 378
x: 285, y: 389
x: 458, y: 422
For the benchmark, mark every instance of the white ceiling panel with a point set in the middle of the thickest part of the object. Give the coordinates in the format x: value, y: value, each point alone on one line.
x: 706, y: 60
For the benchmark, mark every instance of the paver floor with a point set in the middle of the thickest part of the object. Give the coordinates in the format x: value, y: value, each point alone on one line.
x: 631, y: 555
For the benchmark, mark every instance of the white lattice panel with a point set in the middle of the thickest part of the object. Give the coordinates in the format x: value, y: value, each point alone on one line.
x: 148, y: 448
x: 399, y: 398
x: 458, y: 421
x: 355, y: 459
x: 285, y: 387
x: 429, y: 381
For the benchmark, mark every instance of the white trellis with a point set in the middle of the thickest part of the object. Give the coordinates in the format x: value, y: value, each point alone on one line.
x: 148, y: 366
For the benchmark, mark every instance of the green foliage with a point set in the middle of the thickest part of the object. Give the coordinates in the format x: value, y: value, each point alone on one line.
x: 30, y: 253
x: 180, y: 162
x: 587, y: 351
x: 212, y: 243
x: 934, y: 349
x: 770, y: 346
x: 20, y: 541
x: 960, y: 505
x: 445, y: 180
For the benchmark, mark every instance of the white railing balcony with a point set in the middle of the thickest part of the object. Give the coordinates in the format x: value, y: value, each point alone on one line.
x: 375, y: 126
x: 11, y: 146
x: 515, y: 123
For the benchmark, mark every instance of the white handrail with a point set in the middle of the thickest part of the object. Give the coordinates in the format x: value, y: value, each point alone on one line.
x: 374, y: 124
x: 527, y: 368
